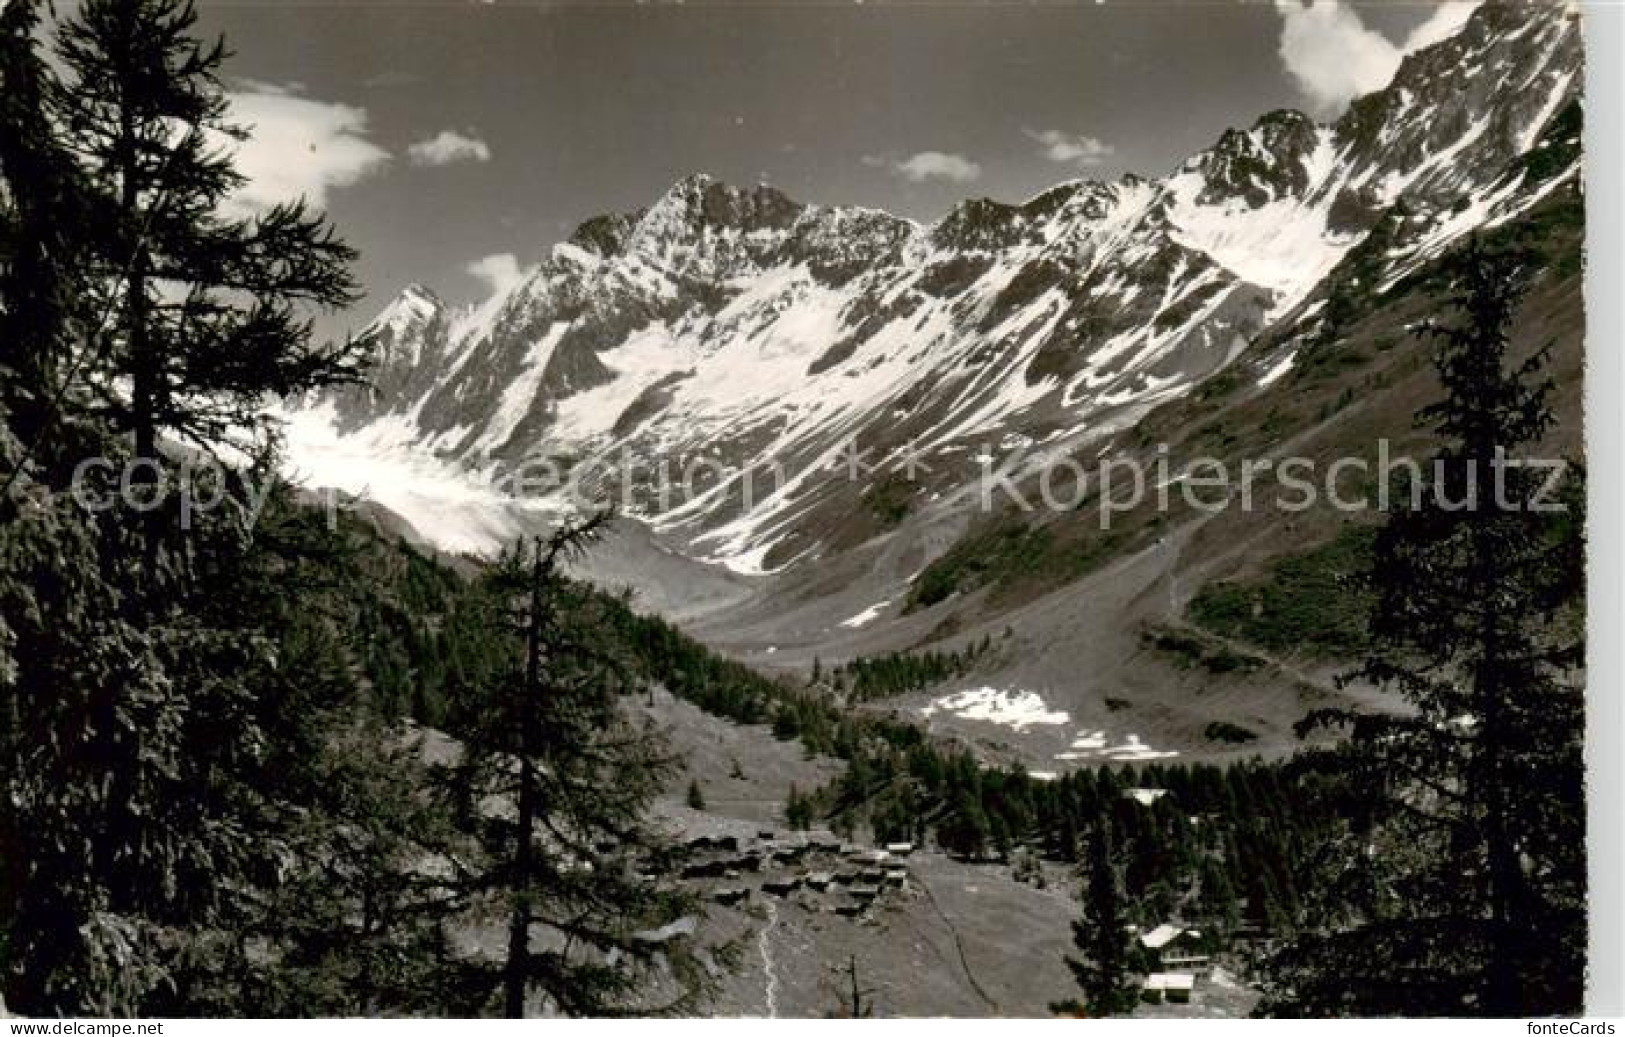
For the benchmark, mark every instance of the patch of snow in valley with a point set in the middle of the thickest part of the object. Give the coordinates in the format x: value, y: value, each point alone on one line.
x: 752, y: 562
x: 1017, y: 710
x: 867, y: 616
x: 1094, y: 745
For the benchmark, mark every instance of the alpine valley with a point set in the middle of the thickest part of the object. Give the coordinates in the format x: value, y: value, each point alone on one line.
x: 831, y: 428
x: 759, y: 608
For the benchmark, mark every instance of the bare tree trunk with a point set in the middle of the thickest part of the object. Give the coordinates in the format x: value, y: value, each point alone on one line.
x: 1504, y: 983
x: 518, y: 970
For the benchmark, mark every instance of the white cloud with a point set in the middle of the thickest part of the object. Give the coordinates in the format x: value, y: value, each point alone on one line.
x: 298, y: 147
x: 929, y: 165
x: 1445, y: 23
x: 1334, y: 57
x: 499, y: 272
x: 449, y: 146
x: 1072, y: 149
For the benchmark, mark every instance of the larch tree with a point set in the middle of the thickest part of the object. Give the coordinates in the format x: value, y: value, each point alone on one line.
x: 208, y: 310
x: 138, y: 812
x: 560, y: 779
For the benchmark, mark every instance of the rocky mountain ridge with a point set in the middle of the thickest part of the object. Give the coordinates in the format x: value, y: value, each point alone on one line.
x: 774, y: 340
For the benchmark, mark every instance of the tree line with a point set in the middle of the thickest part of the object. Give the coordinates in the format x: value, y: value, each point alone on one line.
x: 865, y: 679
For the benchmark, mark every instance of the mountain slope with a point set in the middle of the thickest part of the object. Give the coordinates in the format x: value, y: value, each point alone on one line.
x: 744, y: 343
x: 836, y: 383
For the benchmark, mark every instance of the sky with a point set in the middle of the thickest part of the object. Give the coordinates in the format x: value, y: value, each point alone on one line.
x: 453, y: 142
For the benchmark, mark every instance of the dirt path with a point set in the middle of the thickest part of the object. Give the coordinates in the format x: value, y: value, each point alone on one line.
x: 1357, y: 693
x: 959, y: 945
x: 1174, y: 545
x: 764, y: 943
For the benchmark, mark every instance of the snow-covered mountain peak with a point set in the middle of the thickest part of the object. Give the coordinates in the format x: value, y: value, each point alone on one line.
x: 415, y: 307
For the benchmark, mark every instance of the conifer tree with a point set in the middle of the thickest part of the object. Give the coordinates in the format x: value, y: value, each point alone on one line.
x: 1458, y: 886
x: 798, y: 810
x: 349, y: 921
x: 551, y: 739
x: 1104, y: 960
x: 43, y: 215
x: 965, y: 831
x: 142, y: 803
x: 209, y: 311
